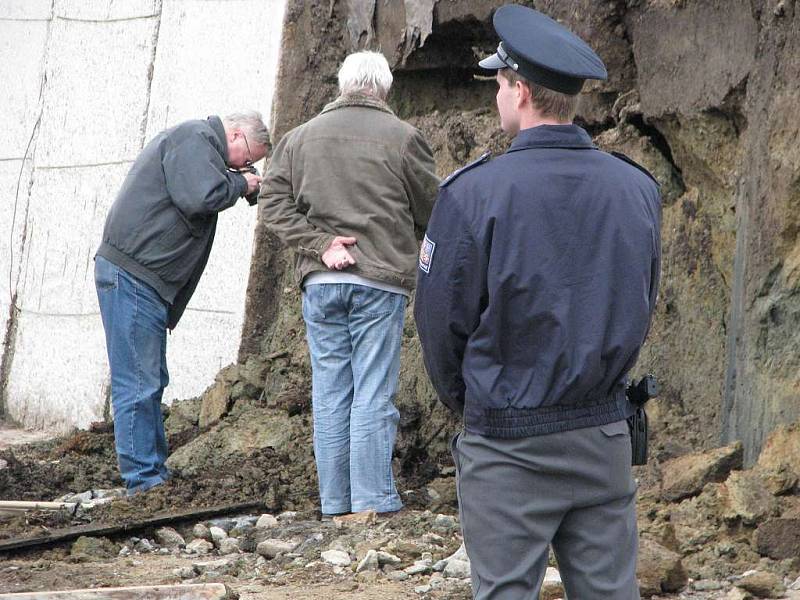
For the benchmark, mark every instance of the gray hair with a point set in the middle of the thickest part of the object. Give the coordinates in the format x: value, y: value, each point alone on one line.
x: 252, y: 122
x: 366, y: 72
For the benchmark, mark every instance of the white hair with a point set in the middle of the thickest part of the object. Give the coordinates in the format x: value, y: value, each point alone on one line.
x: 366, y: 72
x: 252, y: 122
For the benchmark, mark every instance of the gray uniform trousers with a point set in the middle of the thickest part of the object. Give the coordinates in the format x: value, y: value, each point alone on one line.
x: 573, y: 490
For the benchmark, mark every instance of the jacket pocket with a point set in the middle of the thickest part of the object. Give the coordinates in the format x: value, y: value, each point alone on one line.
x: 615, y: 429
x: 174, y: 249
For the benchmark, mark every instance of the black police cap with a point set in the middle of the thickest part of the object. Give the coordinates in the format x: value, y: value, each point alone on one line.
x: 542, y: 51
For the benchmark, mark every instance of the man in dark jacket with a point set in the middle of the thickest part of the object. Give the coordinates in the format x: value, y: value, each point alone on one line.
x: 346, y: 191
x: 536, y: 285
x: 156, y: 242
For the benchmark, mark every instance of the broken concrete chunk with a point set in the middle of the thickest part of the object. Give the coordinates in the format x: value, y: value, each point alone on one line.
x: 202, y: 532
x: 457, y: 569
x: 229, y: 545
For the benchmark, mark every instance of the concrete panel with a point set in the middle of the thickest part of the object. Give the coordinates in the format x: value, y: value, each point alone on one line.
x: 214, y: 57
x: 27, y: 10
x: 105, y: 10
x: 97, y: 81
x: 22, y: 48
x: 200, y: 346
x: 58, y: 379
x: 65, y: 225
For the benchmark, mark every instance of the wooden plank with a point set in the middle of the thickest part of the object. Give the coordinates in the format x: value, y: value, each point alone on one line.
x: 197, y: 591
x: 56, y: 536
x: 22, y: 505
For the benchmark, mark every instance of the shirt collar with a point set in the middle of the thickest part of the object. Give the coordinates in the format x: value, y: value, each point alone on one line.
x: 552, y: 136
x: 219, y: 129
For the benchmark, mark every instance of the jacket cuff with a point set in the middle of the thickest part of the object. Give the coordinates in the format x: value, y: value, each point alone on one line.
x: 318, y: 247
x: 242, y: 185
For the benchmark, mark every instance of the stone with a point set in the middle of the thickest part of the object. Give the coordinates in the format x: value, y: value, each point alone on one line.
x: 447, y: 522
x: 659, y: 569
x: 457, y: 569
x: 217, y: 534
x: 266, y: 521
x: 201, y: 531
x: 337, y: 558
x: 420, y: 567
x: 422, y: 589
x: 745, y: 496
x: 778, y: 538
x: 738, y: 594
x: 144, y: 545
x: 385, y: 558
x: 185, y: 572
x: 687, y: 475
x: 369, y: 562
x: 288, y: 516
x: 229, y: 545
x: 795, y: 585
x: 439, y: 565
x: 213, y: 568
x: 397, y: 576
x: 92, y: 548
x: 273, y: 547
x: 762, y: 584
x: 460, y: 554
x: 707, y: 585
x: 169, y: 538
x: 199, y: 546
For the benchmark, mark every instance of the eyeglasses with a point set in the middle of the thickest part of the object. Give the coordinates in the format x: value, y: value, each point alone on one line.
x: 249, y: 155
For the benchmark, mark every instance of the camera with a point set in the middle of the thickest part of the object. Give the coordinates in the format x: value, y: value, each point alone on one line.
x: 252, y: 198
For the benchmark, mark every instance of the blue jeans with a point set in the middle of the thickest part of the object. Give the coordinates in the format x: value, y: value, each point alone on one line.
x: 135, y: 322
x: 354, y: 335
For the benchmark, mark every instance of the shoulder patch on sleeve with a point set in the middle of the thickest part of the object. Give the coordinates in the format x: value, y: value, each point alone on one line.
x: 426, y: 254
x: 630, y: 161
x: 480, y: 160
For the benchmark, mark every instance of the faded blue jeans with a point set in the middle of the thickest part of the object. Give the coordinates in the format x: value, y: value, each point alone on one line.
x: 135, y: 322
x: 354, y: 335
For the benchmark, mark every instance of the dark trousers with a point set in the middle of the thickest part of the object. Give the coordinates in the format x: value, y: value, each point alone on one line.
x: 572, y: 490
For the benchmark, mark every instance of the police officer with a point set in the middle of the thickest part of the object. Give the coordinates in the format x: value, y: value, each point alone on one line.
x: 536, y: 285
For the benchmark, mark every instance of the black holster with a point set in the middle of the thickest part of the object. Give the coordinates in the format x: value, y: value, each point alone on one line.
x: 639, y: 394
x: 637, y: 424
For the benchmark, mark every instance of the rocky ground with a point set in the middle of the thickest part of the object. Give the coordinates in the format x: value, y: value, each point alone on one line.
x: 708, y: 527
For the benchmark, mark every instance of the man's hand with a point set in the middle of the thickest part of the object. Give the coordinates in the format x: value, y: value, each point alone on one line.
x: 336, y: 256
x: 253, y: 182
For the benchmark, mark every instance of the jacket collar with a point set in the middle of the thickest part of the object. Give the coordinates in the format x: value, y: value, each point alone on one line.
x: 357, y: 99
x: 552, y: 136
x: 219, y: 129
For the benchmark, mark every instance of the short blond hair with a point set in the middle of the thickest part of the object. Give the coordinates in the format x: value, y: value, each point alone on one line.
x: 549, y: 102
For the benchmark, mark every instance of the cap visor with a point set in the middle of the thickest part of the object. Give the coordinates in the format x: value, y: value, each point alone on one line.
x: 492, y: 63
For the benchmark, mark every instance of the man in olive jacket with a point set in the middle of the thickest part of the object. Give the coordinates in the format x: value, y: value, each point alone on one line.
x: 156, y: 242
x: 346, y: 191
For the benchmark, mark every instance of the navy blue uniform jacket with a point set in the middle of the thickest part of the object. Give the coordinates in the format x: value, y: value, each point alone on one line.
x: 536, y: 285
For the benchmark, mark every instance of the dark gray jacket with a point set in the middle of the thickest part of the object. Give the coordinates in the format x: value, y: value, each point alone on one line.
x: 161, y: 226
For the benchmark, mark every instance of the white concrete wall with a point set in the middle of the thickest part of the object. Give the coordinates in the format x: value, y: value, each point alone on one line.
x: 85, y: 84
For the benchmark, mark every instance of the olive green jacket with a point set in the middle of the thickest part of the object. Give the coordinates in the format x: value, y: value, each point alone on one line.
x: 354, y: 170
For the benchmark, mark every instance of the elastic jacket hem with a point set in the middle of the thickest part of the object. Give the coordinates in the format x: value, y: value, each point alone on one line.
x: 509, y: 423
